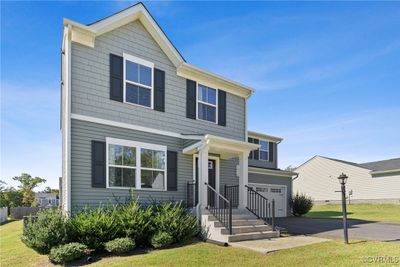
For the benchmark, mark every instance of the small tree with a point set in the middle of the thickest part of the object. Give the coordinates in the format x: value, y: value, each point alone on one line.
x: 27, y: 184
x: 301, y: 204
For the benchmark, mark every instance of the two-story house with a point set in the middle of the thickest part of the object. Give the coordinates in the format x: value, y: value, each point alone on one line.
x: 137, y: 119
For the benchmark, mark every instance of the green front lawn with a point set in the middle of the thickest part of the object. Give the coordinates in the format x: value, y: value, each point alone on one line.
x: 370, y: 212
x: 333, y: 253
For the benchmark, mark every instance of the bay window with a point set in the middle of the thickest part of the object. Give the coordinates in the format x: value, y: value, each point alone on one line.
x: 135, y: 165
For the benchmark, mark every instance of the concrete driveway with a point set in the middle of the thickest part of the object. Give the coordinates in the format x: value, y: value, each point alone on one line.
x: 333, y: 228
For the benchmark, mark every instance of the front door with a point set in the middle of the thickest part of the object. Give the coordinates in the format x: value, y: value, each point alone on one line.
x: 211, y: 180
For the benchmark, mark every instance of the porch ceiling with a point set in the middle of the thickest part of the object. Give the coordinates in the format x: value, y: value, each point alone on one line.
x: 225, y: 147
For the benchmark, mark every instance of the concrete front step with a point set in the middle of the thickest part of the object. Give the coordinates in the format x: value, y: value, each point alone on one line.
x: 241, y: 223
x: 252, y: 236
x: 235, y: 217
x: 247, y: 229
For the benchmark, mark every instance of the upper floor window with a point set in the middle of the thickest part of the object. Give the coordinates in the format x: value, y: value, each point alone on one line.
x: 136, y: 165
x: 206, y: 103
x: 262, y: 153
x: 138, y: 81
x: 264, y: 150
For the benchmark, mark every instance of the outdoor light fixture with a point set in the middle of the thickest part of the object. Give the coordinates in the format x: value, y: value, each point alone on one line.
x: 342, y: 180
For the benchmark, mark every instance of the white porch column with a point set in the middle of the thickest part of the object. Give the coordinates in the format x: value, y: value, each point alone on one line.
x: 243, y: 178
x: 203, y: 175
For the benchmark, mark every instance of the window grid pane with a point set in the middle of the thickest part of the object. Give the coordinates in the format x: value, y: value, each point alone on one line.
x: 138, y: 95
x: 138, y: 73
x: 206, y: 112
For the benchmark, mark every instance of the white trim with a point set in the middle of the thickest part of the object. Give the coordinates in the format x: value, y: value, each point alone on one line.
x: 217, y: 171
x: 140, y: 61
x: 66, y: 127
x: 275, y: 185
x: 132, y: 127
x: 206, y: 103
x: 270, y: 138
x: 138, y: 146
x: 86, y: 35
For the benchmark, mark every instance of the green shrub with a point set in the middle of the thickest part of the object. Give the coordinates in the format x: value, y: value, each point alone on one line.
x: 47, y: 231
x: 161, y: 239
x: 135, y: 222
x: 120, y: 245
x: 172, y: 218
x: 68, y: 252
x: 301, y: 204
x: 93, y: 227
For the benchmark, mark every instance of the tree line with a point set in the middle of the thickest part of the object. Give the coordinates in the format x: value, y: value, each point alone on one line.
x: 23, y: 195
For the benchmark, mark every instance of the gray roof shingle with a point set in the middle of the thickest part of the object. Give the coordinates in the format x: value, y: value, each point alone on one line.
x: 382, y: 165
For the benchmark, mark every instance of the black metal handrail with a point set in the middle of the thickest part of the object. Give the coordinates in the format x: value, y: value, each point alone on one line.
x: 220, y: 207
x: 260, y: 206
x: 231, y: 192
x: 192, y: 194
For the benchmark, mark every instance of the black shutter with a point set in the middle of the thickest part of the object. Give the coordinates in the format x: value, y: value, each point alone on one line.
x: 221, y: 108
x: 250, y: 140
x: 271, y: 152
x: 159, y: 90
x: 98, y: 164
x: 172, y: 171
x: 191, y: 99
x: 116, y: 77
x: 256, y: 152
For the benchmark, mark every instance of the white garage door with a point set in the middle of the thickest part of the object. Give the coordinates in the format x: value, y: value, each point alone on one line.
x: 276, y: 192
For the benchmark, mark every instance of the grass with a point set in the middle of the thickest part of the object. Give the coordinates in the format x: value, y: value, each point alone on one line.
x: 389, y: 213
x: 13, y: 252
x: 332, y: 253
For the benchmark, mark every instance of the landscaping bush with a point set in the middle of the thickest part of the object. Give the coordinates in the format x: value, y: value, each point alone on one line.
x: 120, y: 245
x: 135, y: 222
x: 68, y: 252
x: 301, y: 204
x: 93, y: 227
x: 161, y: 239
x: 48, y: 230
x: 172, y: 218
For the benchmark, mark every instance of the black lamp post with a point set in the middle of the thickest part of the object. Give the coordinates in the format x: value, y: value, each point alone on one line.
x: 342, y: 180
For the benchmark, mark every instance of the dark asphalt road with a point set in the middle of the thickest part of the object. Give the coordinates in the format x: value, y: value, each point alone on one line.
x: 333, y: 228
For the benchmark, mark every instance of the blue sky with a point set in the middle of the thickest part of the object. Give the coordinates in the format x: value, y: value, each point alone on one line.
x: 327, y: 75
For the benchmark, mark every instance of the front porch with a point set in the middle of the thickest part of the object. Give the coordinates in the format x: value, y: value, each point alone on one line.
x: 207, y: 156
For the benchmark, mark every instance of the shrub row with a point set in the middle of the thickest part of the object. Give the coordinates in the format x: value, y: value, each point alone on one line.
x: 116, y: 229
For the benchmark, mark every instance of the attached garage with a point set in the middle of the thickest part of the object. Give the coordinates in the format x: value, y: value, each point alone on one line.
x: 273, y: 184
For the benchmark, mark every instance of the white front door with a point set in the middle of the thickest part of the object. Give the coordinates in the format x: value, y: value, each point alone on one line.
x: 276, y: 192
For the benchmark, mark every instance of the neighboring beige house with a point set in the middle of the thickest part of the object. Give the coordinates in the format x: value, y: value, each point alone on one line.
x: 372, y: 181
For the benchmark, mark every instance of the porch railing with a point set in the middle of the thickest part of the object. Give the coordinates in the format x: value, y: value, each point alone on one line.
x: 220, y: 207
x: 260, y: 206
x: 231, y: 192
x: 192, y: 197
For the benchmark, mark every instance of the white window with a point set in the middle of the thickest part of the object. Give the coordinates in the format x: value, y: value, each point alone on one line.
x: 206, y: 103
x: 138, y: 81
x: 135, y: 165
x: 264, y: 150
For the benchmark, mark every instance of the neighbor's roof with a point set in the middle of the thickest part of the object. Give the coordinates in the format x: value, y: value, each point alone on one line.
x: 382, y: 165
x: 388, y: 165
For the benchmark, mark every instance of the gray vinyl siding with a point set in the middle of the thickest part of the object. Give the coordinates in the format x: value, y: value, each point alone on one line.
x: 91, y: 95
x: 83, y: 194
x: 275, y: 180
x: 266, y: 164
x: 82, y: 133
x: 228, y: 173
